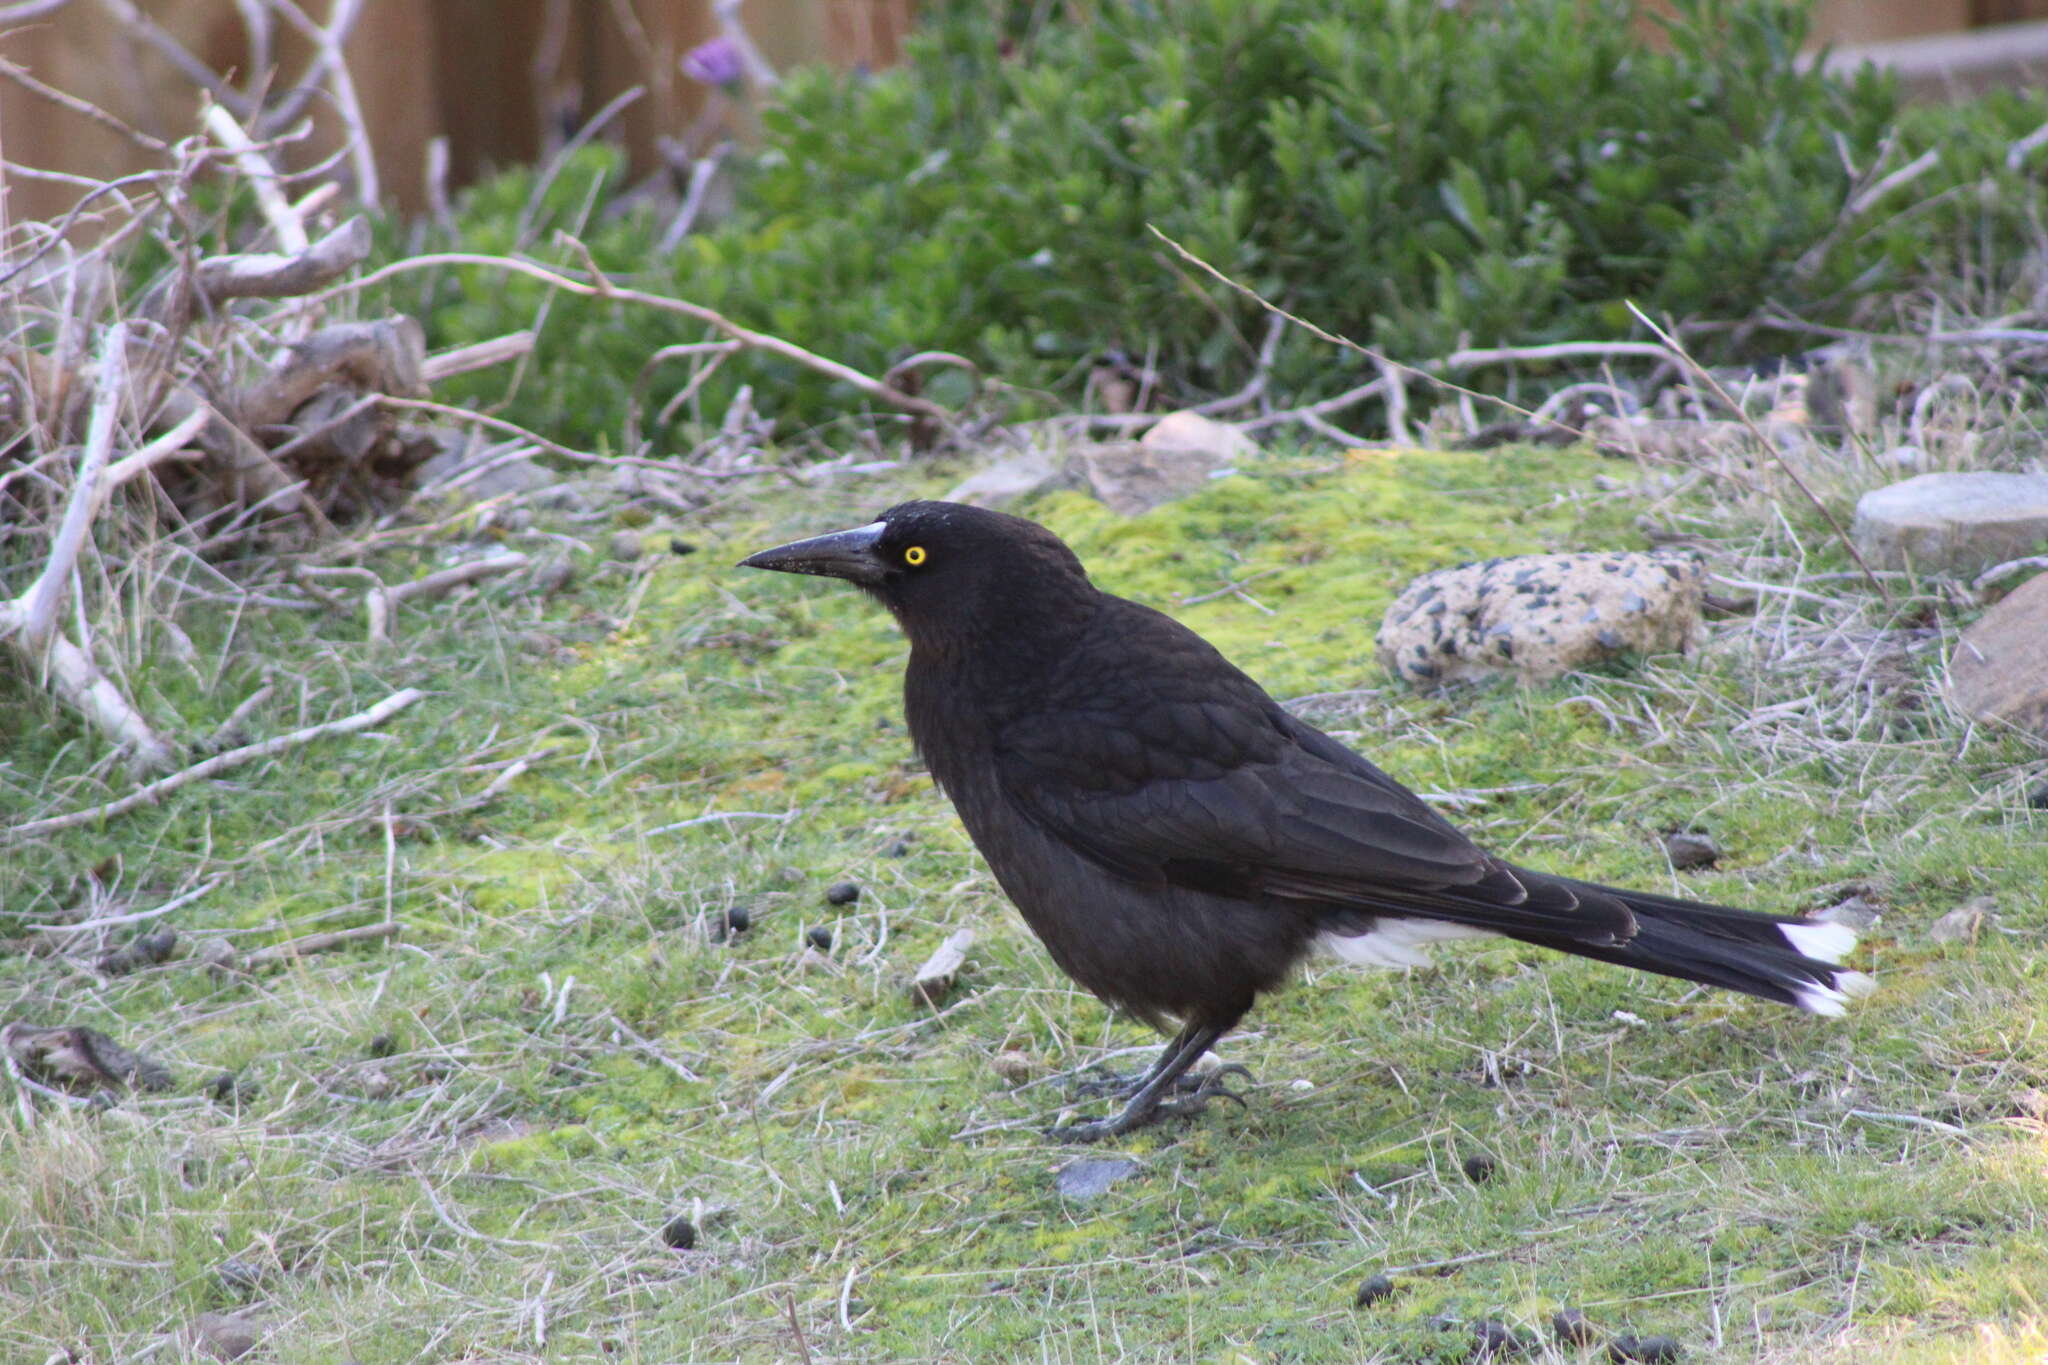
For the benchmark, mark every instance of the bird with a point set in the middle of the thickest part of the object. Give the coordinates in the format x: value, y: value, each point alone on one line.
x: 1181, y: 843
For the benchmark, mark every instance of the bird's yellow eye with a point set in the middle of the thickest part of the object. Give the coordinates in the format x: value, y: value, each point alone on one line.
x: 914, y: 556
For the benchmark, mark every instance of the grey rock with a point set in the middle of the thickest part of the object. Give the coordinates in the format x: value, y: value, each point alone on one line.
x: 1131, y: 477
x: 1092, y: 1177
x: 226, y: 1336
x: 1539, y: 616
x: 626, y: 546
x: 1374, y: 1289
x: 1965, y: 922
x: 1688, y: 850
x: 1035, y: 470
x: 1855, y: 913
x: 1192, y: 434
x: 1953, y: 523
x: 1999, y: 668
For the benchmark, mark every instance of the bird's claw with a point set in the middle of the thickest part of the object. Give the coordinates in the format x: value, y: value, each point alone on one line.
x: 1190, y: 1097
x: 1112, y: 1083
x: 1130, y: 1083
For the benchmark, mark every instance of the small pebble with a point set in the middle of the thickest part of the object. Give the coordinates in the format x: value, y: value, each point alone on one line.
x: 820, y: 937
x: 219, y: 956
x: 553, y: 576
x: 1372, y: 1291
x: 226, y: 1336
x: 1856, y: 913
x: 228, y: 1088
x: 1964, y: 923
x: 383, y: 1045
x: 1643, y: 1348
x: 842, y: 893
x: 1688, y: 850
x: 239, y: 1275
x: 678, y: 546
x: 145, y: 951
x: 1493, y: 1340
x: 899, y: 849
x: 679, y: 1232
x: 1571, y: 1328
x: 1480, y: 1168
x: 738, y: 919
x: 1091, y: 1177
x: 1014, y: 1066
x: 626, y: 546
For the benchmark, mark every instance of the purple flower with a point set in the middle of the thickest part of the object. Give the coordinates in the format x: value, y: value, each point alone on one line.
x: 714, y: 63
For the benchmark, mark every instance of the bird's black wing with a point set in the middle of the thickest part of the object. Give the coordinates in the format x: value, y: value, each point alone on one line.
x: 1160, y: 762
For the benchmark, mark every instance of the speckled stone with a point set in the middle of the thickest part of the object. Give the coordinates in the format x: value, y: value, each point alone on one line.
x: 1538, y: 616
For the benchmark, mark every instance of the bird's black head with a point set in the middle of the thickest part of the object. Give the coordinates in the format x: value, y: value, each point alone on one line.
x: 944, y: 568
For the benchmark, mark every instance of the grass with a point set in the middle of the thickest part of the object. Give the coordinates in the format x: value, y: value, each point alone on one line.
x: 464, y: 1145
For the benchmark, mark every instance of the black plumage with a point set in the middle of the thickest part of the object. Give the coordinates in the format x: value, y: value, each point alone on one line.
x: 1178, y: 840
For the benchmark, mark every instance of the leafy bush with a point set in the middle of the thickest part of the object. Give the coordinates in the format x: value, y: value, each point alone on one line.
x: 1414, y: 175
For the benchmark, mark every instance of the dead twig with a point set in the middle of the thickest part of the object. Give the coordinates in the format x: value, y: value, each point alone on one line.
x: 1769, y: 446
x: 307, y: 944
x: 606, y: 289
x: 219, y: 763
x: 22, y: 78
x: 262, y: 177
x: 479, y: 355
x: 29, y: 621
x: 382, y: 603
x: 270, y: 275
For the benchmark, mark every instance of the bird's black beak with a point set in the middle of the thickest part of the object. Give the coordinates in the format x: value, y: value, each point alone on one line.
x: 843, y: 554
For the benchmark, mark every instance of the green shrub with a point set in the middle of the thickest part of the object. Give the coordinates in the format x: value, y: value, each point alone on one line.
x: 1415, y: 175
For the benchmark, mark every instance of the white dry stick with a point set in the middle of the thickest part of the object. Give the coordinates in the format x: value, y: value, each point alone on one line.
x: 34, y: 613
x: 169, y: 446
x: 381, y: 602
x: 219, y: 763
x: 478, y: 356
x: 262, y: 177
x: 29, y: 622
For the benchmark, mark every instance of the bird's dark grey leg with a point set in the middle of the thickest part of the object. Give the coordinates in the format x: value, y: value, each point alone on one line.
x: 1148, y: 1105
x: 1130, y: 1083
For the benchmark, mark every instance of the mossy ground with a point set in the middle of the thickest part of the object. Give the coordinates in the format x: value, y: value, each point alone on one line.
x: 454, y: 1148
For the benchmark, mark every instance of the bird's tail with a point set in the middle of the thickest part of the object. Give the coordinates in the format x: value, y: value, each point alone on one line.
x: 1795, y: 962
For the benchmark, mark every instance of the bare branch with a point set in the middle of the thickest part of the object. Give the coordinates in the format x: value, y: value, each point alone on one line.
x: 479, y: 355
x: 382, y: 602
x: 219, y: 763
x: 294, y: 948
x: 175, y: 52
x: 1770, y: 448
x: 271, y: 275
x: 605, y: 289
x: 34, y: 613
x: 262, y: 177
x: 76, y: 105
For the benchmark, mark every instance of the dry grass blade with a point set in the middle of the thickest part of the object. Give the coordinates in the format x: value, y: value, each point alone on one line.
x: 1769, y: 446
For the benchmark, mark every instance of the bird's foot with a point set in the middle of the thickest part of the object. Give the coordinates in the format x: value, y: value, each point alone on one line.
x: 1128, y: 1084
x: 1190, y: 1096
